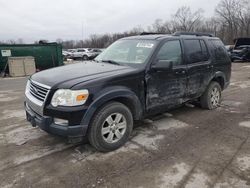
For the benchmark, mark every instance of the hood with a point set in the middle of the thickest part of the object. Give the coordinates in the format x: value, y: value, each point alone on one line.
x: 83, y: 71
x: 241, y: 41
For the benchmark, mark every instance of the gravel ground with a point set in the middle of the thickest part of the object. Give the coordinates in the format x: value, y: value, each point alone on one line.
x: 186, y: 147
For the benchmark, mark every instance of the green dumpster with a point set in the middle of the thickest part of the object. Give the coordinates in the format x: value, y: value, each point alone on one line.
x: 47, y: 55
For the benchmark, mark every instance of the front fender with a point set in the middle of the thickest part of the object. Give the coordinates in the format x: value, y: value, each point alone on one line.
x: 109, y: 94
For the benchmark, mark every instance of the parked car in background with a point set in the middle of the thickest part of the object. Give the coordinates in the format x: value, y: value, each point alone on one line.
x: 95, y: 52
x: 81, y: 53
x: 241, y: 51
x: 132, y: 79
x: 66, y: 54
x: 71, y: 50
x: 229, y: 48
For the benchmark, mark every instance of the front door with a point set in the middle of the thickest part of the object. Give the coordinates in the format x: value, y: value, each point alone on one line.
x: 167, y: 88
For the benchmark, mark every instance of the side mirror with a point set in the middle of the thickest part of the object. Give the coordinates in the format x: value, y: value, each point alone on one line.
x: 163, y: 65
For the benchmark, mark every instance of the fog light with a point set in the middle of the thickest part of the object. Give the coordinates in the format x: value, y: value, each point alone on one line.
x: 61, y: 121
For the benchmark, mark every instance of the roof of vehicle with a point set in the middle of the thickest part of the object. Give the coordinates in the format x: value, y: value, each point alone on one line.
x: 148, y: 37
x: 157, y: 36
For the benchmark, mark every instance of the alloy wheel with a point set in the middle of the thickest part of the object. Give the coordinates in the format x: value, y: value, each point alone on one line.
x: 114, y: 127
x: 215, y: 96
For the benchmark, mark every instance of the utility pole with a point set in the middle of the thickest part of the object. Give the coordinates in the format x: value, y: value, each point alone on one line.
x: 82, y: 34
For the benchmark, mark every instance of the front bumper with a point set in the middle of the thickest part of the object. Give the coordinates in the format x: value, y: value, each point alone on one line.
x: 73, y: 133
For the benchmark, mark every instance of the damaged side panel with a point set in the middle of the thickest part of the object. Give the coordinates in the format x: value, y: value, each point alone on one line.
x: 165, y: 90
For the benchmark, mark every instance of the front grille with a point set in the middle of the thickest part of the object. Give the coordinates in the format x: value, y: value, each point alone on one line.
x: 38, y: 91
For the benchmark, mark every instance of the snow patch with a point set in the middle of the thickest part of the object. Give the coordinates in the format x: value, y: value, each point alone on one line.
x: 150, y: 142
x: 231, y: 106
x: 243, y: 163
x: 241, y: 84
x: 232, y: 103
x: 86, y: 152
x: 17, y: 178
x: 198, y: 179
x: 7, y: 99
x: 247, y: 66
x: 170, y: 123
x: 174, y: 175
x: 23, y: 134
x: 232, y: 182
x: 9, y: 127
x: 41, y: 153
x: 7, y: 114
x: 5, y: 96
x: 245, y: 124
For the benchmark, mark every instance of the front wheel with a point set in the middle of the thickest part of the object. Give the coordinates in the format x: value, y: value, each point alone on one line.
x: 111, y: 127
x: 211, y: 98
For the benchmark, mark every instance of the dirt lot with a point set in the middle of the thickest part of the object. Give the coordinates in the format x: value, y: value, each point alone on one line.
x: 186, y: 147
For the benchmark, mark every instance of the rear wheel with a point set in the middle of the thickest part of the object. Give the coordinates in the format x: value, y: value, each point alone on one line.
x: 111, y: 127
x: 211, y: 98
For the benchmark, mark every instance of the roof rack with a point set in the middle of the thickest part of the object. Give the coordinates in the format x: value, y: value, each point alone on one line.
x: 178, y: 33
x: 152, y: 33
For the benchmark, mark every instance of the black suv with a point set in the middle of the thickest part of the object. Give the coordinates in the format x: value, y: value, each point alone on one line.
x: 133, y: 78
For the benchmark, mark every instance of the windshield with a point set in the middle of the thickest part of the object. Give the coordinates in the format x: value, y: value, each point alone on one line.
x: 131, y: 52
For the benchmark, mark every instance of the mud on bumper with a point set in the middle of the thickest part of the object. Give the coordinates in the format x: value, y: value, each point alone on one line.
x: 73, y: 133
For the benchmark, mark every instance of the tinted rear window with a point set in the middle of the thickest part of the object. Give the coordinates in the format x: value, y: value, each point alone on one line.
x: 196, y: 50
x: 204, y: 50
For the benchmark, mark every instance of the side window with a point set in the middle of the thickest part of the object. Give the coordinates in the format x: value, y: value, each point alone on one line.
x: 82, y: 50
x: 171, y: 51
x: 194, y: 50
x: 205, y: 54
x: 220, y: 52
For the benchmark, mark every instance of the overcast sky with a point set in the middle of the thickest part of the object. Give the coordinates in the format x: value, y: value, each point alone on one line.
x: 51, y: 19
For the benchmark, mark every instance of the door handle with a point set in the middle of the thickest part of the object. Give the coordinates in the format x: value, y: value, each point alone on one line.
x: 180, y: 72
x: 210, y: 66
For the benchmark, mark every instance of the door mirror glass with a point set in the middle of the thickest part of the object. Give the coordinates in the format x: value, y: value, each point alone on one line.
x: 163, y: 65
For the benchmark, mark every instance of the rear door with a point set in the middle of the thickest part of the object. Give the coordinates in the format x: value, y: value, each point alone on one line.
x: 199, y: 66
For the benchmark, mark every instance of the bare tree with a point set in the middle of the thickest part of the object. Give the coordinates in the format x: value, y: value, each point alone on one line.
x: 244, y: 18
x: 158, y: 26
x: 185, y: 20
x: 232, y: 15
x: 209, y: 25
x: 59, y: 41
x: 19, y: 41
x: 231, y: 20
x: 11, y: 41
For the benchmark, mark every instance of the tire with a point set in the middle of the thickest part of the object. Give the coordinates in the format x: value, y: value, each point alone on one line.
x: 104, y: 127
x: 85, y: 58
x: 211, y: 98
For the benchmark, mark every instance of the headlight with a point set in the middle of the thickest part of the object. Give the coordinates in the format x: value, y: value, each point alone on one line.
x: 67, y: 97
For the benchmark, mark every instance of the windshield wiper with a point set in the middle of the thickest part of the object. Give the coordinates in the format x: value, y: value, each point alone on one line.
x: 110, y: 61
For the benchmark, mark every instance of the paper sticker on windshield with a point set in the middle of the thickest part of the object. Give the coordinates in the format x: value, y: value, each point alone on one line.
x: 144, y: 45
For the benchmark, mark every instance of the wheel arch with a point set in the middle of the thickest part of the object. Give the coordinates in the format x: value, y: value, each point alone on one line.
x: 122, y: 95
x: 220, y: 78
